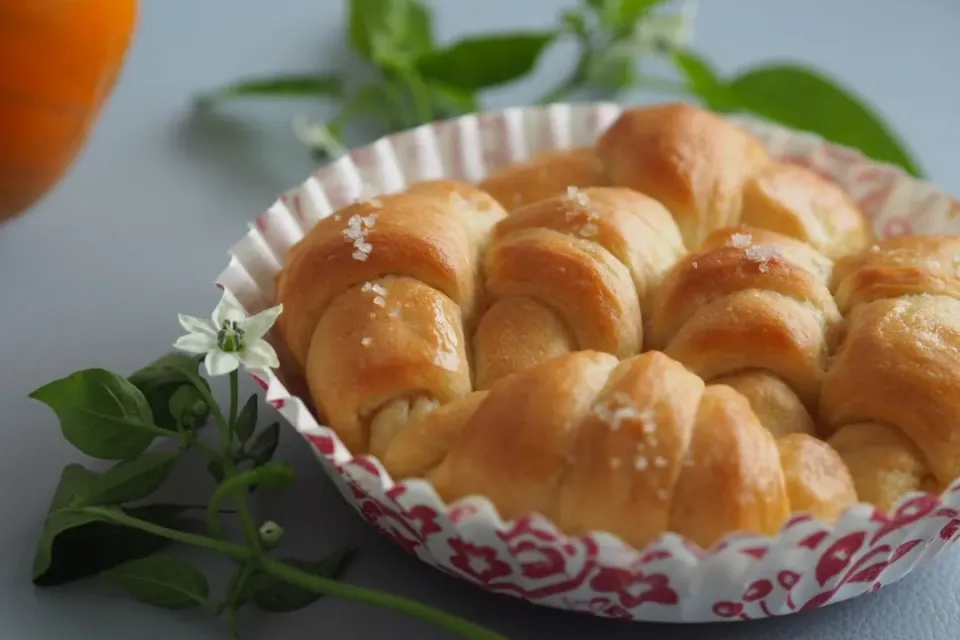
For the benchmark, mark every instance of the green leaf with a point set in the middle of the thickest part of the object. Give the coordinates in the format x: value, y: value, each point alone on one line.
x: 247, y: 420
x: 478, y: 62
x: 74, y: 479
x: 619, y: 16
x: 275, y: 476
x: 574, y: 22
x: 76, y: 545
x: 390, y: 33
x: 170, y: 386
x: 272, y: 594
x: 127, y: 481
x: 704, y: 81
x: 615, y: 70
x: 264, y: 445
x: 162, y: 581
x: 101, y: 414
x: 627, y: 12
x: 449, y: 102
x: 294, y: 85
x: 806, y: 99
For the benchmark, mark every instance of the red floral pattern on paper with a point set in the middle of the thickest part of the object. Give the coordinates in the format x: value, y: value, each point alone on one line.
x: 809, y: 566
x: 635, y: 588
x: 479, y: 562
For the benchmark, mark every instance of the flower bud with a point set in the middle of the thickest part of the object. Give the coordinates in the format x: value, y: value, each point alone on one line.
x: 188, y: 408
x: 270, y: 534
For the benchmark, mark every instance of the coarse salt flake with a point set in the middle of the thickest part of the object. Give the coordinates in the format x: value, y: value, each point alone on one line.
x: 375, y: 288
x: 367, y: 341
x: 588, y: 230
x: 355, y: 233
x: 741, y: 239
x: 660, y: 462
x: 640, y: 463
x: 762, y: 255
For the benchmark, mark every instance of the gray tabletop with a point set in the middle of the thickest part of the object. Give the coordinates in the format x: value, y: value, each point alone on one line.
x: 95, y: 275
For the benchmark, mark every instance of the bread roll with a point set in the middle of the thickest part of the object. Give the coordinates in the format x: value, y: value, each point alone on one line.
x: 752, y: 302
x: 710, y: 174
x: 544, y: 175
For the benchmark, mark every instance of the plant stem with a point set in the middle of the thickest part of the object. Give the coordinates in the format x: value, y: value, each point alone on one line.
x: 420, y: 94
x: 110, y: 514
x: 232, y: 422
x: 247, y: 521
x: 295, y: 576
x: 326, y: 586
x: 236, y: 592
x: 232, y: 486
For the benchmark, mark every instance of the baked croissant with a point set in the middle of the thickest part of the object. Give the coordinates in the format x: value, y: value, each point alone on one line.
x: 575, y: 271
x: 711, y: 174
x: 378, y: 300
x: 752, y: 309
x: 635, y: 447
x: 891, y: 398
x: 544, y: 175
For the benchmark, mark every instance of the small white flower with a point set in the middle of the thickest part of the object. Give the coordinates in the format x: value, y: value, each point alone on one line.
x: 231, y: 339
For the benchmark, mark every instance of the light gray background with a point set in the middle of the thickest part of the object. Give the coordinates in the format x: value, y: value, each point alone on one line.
x: 95, y: 275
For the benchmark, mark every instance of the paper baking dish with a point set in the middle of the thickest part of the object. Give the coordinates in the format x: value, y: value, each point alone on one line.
x: 808, y: 565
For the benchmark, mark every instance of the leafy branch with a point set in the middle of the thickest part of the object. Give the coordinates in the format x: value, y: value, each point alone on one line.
x: 418, y: 80
x: 97, y: 523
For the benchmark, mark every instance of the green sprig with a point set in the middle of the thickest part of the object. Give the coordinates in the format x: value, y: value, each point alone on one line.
x: 93, y: 526
x: 418, y: 80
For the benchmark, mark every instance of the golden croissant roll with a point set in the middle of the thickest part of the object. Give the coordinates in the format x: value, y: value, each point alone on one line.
x: 378, y: 301
x: 544, y: 175
x: 574, y: 271
x: 893, y: 267
x: 895, y: 279
x: 636, y: 447
x: 710, y: 173
x: 752, y: 310
x: 891, y: 401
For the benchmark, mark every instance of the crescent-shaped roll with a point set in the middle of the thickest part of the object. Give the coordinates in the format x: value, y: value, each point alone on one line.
x: 897, y: 366
x: 378, y: 303
x: 891, y: 402
x: 711, y: 173
x: 544, y: 175
x: 574, y: 271
x: 902, y: 266
x: 751, y: 302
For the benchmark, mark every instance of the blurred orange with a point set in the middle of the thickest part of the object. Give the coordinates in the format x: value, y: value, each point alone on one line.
x: 59, y: 61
